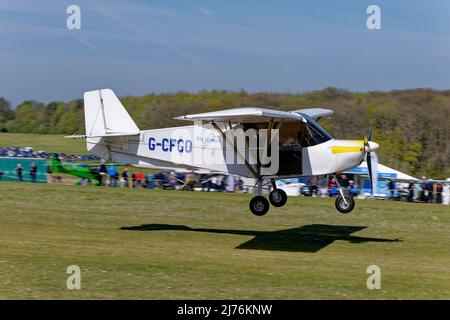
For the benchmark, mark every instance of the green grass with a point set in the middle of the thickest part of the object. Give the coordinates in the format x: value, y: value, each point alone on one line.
x: 228, y: 253
x: 44, y: 142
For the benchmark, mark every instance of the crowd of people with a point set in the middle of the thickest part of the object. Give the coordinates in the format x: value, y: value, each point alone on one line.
x: 112, y: 177
x: 29, y: 152
x: 424, y: 190
x: 33, y: 171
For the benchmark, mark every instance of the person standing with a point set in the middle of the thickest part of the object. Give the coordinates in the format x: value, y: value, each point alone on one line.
x: 103, y: 172
x: 33, y: 171
x: 19, y: 172
x: 430, y: 187
x: 150, y: 180
x: 133, y: 180
x: 411, y: 192
x: 125, y: 177
x: 439, y: 189
x: 139, y: 177
x: 344, y: 181
x: 207, y: 183
x: 392, y: 187
x: 423, y: 185
x: 112, y: 171
x: 172, y: 180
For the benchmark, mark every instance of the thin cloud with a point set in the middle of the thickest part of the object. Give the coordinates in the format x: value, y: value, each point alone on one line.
x: 86, y: 43
x: 107, y: 12
x: 204, y: 10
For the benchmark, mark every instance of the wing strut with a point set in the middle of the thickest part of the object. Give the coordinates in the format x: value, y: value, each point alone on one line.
x: 224, y: 136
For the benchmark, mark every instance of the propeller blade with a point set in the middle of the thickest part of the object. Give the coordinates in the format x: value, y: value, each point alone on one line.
x: 366, y: 144
x: 369, y: 167
x: 370, y: 134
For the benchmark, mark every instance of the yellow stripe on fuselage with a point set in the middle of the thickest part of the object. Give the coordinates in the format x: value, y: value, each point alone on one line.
x: 344, y: 149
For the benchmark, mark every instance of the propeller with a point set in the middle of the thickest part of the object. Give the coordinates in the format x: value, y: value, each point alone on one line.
x: 368, y: 147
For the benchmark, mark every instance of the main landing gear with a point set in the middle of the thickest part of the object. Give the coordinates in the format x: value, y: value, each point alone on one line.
x: 259, y: 205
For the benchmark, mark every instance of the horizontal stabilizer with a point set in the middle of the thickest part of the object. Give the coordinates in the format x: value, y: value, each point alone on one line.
x: 114, y: 134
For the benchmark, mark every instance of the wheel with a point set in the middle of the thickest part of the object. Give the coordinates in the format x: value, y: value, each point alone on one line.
x: 278, y: 198
x: 259, y: 205
x: 342, y: 206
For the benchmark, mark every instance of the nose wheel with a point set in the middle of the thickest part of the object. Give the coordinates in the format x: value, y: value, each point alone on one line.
x: 345, y: 203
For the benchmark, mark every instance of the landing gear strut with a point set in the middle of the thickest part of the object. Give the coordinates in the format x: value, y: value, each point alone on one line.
x: 344, y: 201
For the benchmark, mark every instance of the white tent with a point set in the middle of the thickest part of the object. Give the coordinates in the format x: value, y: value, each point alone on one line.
x: 384, y: 172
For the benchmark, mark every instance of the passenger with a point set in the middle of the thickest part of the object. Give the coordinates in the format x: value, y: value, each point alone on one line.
x: 19, y: 172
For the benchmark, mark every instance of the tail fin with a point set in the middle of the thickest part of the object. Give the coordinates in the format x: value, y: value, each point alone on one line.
x: 106, y: 116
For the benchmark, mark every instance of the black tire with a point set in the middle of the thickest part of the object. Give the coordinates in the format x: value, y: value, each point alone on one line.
x: 259, y: 205
x: 340, y: 203
x: 278, y: 198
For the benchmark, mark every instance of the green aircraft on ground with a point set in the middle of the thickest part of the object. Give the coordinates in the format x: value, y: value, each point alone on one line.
x: 87, y: 171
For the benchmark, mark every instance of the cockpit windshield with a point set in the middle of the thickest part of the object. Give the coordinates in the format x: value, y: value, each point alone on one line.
x: 315, y: 133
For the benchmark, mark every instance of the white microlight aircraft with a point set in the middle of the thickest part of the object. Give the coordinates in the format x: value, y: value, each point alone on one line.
x: 260, y: 143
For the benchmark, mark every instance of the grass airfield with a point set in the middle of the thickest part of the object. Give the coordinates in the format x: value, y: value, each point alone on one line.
x: 152, y: 244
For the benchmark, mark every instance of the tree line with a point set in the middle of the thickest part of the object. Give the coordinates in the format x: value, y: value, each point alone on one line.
x: 411, y: 126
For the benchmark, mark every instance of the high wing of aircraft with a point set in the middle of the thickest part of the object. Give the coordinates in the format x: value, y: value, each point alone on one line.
x: 252, y: 142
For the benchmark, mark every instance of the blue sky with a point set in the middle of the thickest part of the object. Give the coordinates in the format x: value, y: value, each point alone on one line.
x: 136, y: 47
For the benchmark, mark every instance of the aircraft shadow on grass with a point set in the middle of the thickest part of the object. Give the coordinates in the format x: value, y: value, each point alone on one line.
x: 308, y: 238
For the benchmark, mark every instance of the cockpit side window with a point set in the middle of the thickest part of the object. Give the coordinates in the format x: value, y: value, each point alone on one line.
x: 297, y: 135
